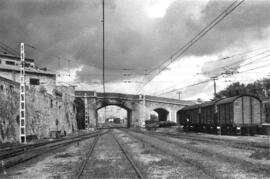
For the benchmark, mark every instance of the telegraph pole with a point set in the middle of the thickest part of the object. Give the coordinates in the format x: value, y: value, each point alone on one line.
x: 103, y: 46
x: 22, y: 97
x: 215, y: 87
x: 103, y: 53
x: 179, y: 94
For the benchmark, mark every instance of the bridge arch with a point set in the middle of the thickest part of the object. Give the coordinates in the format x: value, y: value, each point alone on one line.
x: 163, y: 114
x: 128, y: 110
x: 178, y: 117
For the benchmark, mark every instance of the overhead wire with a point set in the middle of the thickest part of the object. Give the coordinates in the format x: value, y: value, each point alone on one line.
x: 239, y: 62
x: 267, y: 51
x: 195, y: 84
x: 223, y: 67
x: 9, y: 49
x: 159, y: 93
x: 254, y: 68
x: 182, y: 50
x: 259, y: 60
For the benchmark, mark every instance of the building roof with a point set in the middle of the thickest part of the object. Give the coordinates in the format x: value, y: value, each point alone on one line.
x: 15, y: 58
x: 30, y: 70
x: 9, y: 81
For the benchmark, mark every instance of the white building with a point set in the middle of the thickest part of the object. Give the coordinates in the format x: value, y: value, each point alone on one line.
x: 34, y: 75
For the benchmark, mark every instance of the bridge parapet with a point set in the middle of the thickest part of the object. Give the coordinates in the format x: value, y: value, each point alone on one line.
x: 85, y: 93
x: 118, y: 96
x: 106, y: 95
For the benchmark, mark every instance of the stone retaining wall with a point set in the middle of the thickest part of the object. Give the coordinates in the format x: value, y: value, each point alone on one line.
x: 44, y: 112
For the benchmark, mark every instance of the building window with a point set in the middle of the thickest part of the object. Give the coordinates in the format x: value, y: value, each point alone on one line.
x: 10, y: 63
x: 51, y: 103
x: 1, y: 87
x: 11, y: 87
x: 34, y: 81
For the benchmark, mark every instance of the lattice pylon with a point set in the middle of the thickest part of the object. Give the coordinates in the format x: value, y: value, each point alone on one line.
x: 22, y: 97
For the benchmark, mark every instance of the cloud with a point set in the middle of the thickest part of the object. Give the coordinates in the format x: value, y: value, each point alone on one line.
x: 218, y: 67
x: 72, y: 31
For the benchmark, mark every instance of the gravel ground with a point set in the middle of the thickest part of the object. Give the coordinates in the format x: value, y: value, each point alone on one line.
x: 155, y: 156
x: 108, y: 161
x: 214, y: 160
x: 256, y: 138
x: 61, y: 163
x: 155, y: 163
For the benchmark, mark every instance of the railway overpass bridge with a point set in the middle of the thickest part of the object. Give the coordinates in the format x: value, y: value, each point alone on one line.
x: 138, y: 107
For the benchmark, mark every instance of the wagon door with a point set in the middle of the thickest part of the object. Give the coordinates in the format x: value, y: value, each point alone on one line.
x: 237, y: 112
x: 256, y: 111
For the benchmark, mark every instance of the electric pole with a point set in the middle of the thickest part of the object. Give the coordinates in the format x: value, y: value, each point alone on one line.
x: 103, y: 52
x: 103, y: 46
x: 179, y: 94
x: 215, y: 87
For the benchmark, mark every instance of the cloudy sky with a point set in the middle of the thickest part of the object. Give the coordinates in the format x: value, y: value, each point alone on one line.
x: 140, y: 35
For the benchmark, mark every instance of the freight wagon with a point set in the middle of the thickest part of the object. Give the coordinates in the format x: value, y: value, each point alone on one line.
x: 235, y: 115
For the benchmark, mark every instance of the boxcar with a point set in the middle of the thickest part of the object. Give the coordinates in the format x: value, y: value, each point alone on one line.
x: 239, y: 114
x: 189, y: 117
x: 208, y: 120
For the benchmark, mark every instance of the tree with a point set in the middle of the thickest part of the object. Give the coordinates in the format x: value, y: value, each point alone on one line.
x: 234, y: 89
x: 259, y: 88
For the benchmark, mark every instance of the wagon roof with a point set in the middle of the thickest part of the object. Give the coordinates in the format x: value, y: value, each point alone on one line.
x: 209, y: 103
x: 191, y: 107
x: 232, y: 99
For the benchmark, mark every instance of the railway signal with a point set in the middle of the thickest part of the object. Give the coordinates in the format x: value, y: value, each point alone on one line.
x: 22, y: 97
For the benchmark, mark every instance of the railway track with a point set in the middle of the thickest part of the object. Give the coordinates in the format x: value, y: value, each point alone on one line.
x: 88, y: 155
x: 13, y: 151
x: 83, y: 165
x: 245, y: 164
x: 125, y: 152
x: 206, y: 172
x: 236, y: 144
x: 24, y: 153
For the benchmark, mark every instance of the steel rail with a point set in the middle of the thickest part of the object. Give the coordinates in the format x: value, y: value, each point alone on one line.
x: 178, y: 158
x: 262, y: 168
x: 24, y: 147
x: 125, y: 152
x: 11, y: 152
x: 89, y: 153
x: 33, y: 153
x: 236, y: 144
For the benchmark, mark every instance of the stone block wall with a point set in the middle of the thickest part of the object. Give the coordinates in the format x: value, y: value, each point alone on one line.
x: 44, y: 112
